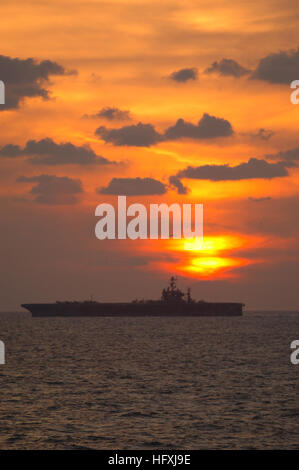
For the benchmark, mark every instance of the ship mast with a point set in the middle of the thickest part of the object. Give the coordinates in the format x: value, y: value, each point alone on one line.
x: 173, y: 281
x: 172, y: 293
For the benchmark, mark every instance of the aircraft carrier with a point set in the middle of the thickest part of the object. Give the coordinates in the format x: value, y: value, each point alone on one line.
x: 173, y: 303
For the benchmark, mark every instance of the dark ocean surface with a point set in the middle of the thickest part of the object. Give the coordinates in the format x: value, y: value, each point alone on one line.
x: 149, y: 383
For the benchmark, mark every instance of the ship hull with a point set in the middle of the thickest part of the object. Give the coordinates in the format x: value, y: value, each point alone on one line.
x: 77, y: 309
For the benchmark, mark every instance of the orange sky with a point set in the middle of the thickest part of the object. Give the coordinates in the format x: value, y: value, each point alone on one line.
x: 124, y: 52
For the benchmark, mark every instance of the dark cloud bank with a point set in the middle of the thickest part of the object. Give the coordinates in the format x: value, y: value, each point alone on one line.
x: 176, y: 183
x: 278, y: 68
x: 252, y: 169
x: 290, y: 157
x: 25, y: 78
x: 48, y: 152
x: 263, y: 134
x: 145, y: 135
x: 137, y: 135
x: 133, y: 187
x: 52, y: 189
x: 184, y: 75
x: 111, y: 114
x: 227, y: 67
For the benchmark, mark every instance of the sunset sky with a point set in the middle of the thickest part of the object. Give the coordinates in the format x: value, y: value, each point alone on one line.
x: 165, y: 102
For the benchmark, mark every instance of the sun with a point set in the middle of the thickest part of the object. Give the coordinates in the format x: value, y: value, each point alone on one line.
x: 212, y: 257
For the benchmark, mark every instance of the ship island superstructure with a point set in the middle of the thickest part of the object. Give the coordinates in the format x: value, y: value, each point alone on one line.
x: 173, y: 302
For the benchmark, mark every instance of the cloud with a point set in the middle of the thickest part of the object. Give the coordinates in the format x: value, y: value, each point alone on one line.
x: 252, y: 169
x: 25, y: 78
x: 133, y: 187
x: 280, y: 67
x: 263, y: 134
x: 139, y: 135
x: 145, y: 135
x: 260, y: 199
x: 289, y: 157
x: 94, y: 78
x: 209, y: 127
x: 52, y: 189
x: 112, y: 114
x: 184, y: 75
x: 227, y: 67
x: 47, y: 152
x: 178, y: 185
x: 11, y: 151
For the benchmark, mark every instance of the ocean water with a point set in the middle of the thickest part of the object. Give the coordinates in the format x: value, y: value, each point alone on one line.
x: 149, y: 383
